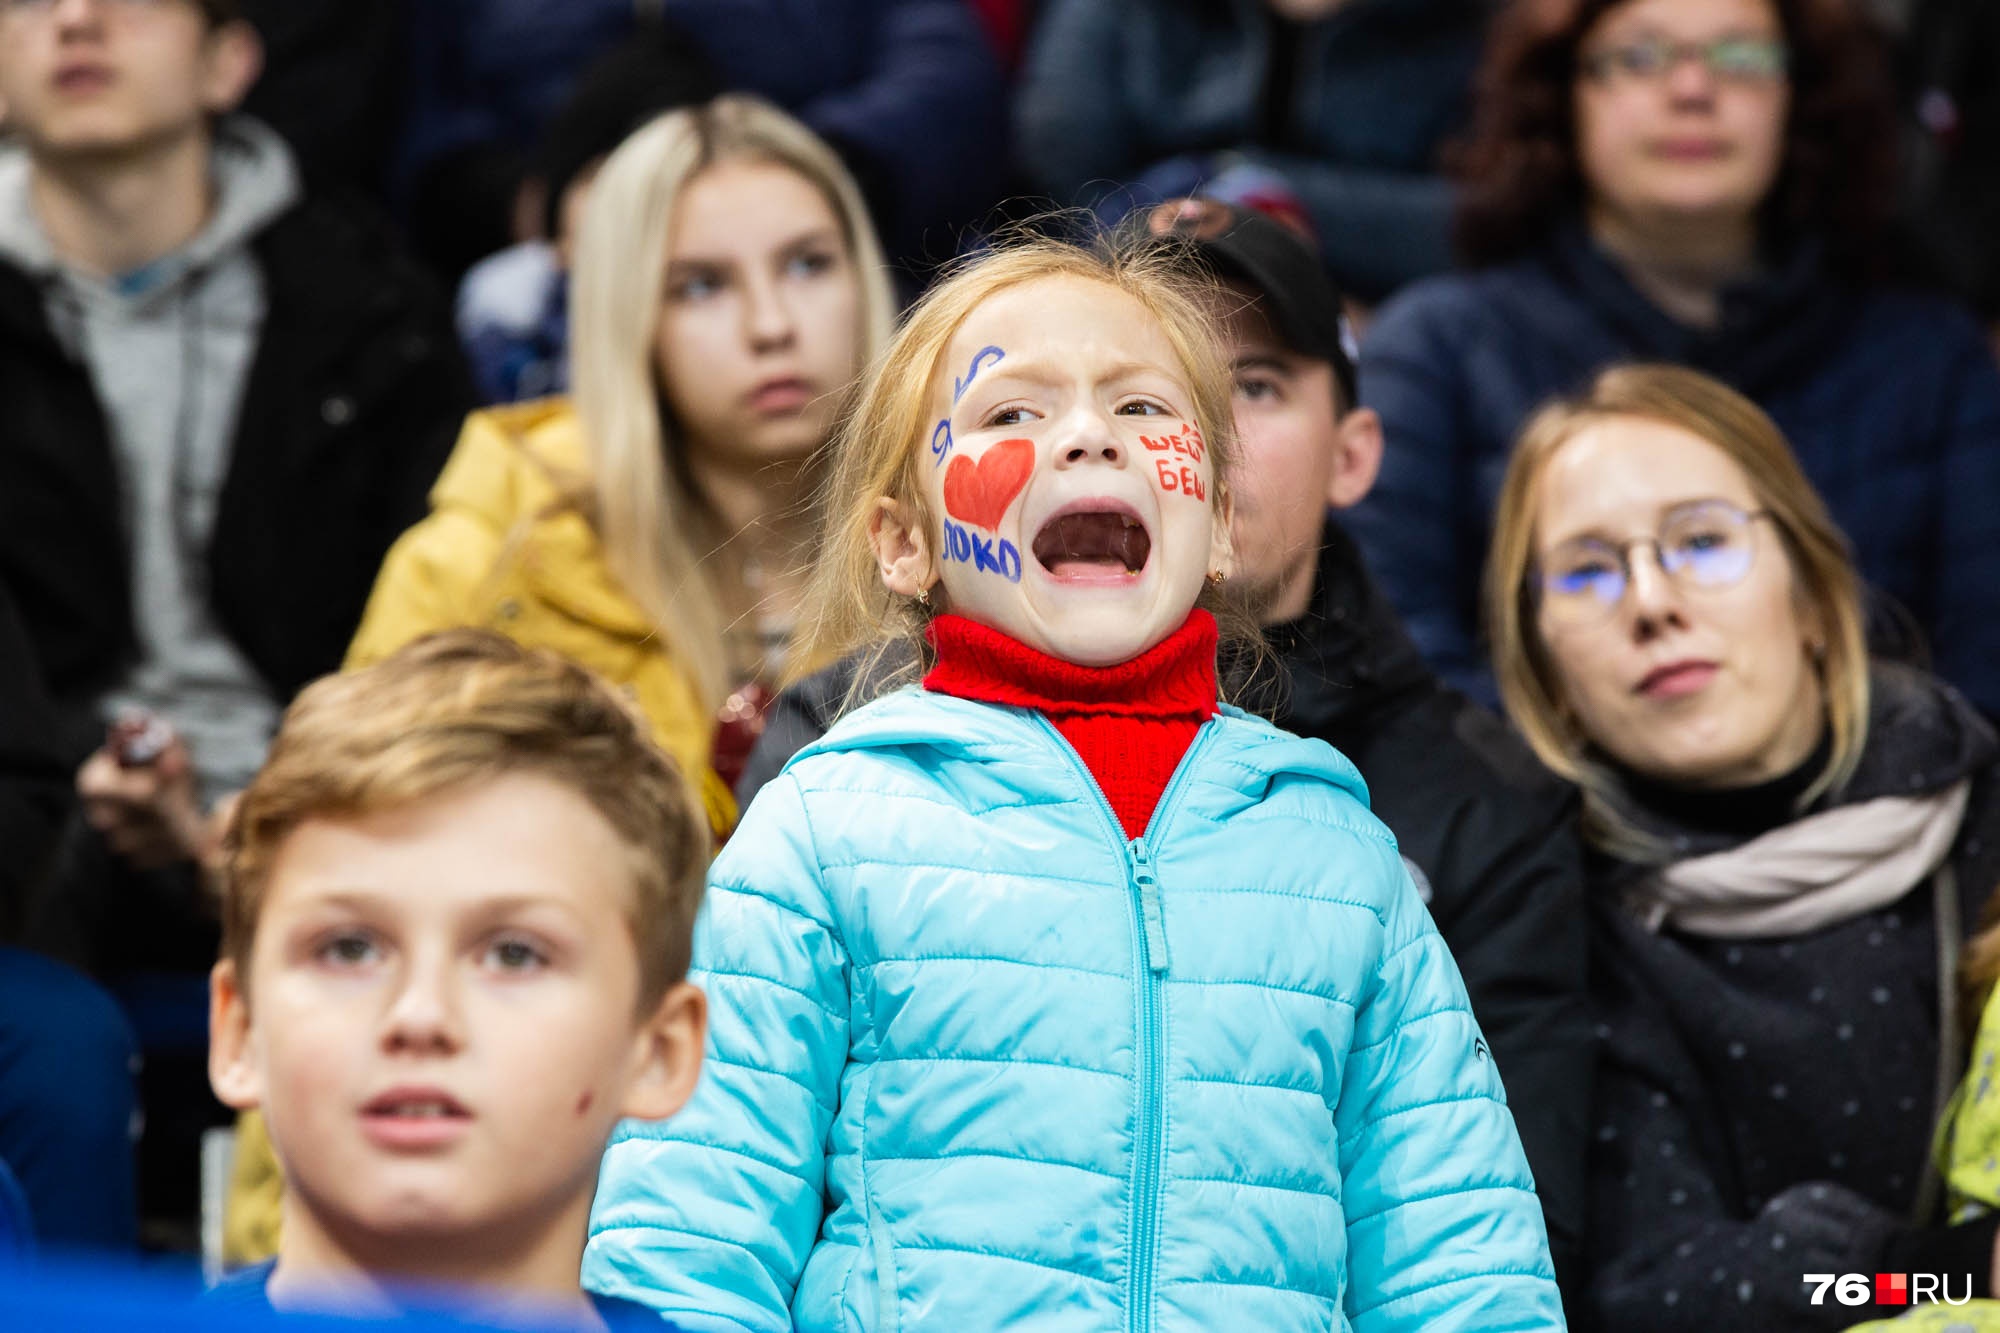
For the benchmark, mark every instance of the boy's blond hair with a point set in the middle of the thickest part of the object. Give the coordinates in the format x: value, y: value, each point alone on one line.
x: 882, y: 446
x: 452, y: 710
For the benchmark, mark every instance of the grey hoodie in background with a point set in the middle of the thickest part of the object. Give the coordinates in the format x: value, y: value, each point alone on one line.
x: 169, y: 347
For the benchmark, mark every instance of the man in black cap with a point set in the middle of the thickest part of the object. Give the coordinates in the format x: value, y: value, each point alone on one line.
x: 1488, y: 836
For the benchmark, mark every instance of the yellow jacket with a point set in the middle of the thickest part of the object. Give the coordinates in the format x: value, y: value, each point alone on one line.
x: 497, y: 551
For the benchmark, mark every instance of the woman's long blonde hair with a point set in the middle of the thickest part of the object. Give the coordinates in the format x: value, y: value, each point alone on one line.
x: 1825, y: 583
x: 881, y: 448
x: 655, y: 527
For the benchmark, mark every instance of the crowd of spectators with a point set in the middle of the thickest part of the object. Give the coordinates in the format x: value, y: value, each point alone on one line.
x: 1618, y: 488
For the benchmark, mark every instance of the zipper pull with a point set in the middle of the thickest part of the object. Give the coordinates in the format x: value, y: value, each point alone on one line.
x: 1149, y: 906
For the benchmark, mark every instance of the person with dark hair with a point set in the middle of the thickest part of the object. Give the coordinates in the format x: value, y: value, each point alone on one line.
x: 1332, y: 109
x: 1705, y: 182
x: 332, y: 86
x: 513, y: 307
x: 905, y: 90
x: 224, y: 399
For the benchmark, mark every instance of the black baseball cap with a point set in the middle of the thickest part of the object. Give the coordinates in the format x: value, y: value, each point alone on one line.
x: 1281, y: 265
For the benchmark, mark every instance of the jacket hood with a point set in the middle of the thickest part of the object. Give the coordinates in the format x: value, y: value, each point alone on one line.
x: 1347, y: 658
x: 1246, y: 752
x: 256, y: 180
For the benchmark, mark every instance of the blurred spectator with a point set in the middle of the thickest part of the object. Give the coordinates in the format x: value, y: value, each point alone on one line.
x: 653, y: 528
x: 34, y: 772
x: 1789, y: 841
x: 332, y: 86
x: 1948, y: 62
x: 908, y: 91
x: 513, y: 307
x: 1007, y: 25
x: 223, y: 402
x: 1335, y: 108
x: 1703, y: 182
x: 67, y: 1104
x: 66, y: 1096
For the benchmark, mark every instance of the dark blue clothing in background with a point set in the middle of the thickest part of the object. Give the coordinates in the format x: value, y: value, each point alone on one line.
x: 909, y: 91
x: 245, y: 1290
x: 66, y: 1102
x: 1350, y: 110
x: 107, y: 1298
x: 1890, y: 399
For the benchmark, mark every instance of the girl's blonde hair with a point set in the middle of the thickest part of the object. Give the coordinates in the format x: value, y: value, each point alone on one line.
x: 1825, y: 583
x: 882, y: 446
x: 654, y: 525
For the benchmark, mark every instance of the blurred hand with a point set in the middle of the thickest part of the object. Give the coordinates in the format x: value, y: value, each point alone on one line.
x: 150, y: 814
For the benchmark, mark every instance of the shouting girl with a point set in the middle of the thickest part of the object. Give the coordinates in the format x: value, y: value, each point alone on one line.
x: 1053, y: 993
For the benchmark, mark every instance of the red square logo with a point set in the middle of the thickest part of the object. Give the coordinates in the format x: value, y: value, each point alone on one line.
x: 1892, y: 1288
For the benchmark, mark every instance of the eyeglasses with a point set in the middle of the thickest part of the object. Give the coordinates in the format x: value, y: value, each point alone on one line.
x: 1703, y: 545
x: 1742, y: 60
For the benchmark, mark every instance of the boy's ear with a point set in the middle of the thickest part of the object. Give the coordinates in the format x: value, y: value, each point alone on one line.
x: 233, y: 59
x: 232, y: 1070
x: 1357, y: 458
x: 902, y: 548
x: 668, y: 1055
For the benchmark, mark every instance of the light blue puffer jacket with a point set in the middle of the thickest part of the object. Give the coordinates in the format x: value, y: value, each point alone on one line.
x: 978, y: 1062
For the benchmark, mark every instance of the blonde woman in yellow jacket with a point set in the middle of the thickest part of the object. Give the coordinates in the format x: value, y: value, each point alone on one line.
x: 508, y: 546
x: 727, y: 288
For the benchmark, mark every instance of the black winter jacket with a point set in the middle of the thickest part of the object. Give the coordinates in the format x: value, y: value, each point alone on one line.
x: 34, y: 780
x: 1765, y: 1106
x: 1489, y: 836
x: 353, y: 399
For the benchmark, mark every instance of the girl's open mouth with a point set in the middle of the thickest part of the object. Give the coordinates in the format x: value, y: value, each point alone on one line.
x: 1095, y: 544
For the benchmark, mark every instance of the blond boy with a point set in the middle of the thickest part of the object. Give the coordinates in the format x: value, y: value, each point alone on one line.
x: 456, y: 923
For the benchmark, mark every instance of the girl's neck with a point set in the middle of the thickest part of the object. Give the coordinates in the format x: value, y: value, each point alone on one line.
x: 1680, y: 265
x: 111, y: 218
x: 323, y: 1266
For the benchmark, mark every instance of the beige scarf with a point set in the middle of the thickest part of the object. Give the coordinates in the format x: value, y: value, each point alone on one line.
x: 1809, y: 874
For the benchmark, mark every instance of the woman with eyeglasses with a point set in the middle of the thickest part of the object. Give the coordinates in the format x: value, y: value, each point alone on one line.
x: 1789, y: 841
x: 1708, y: 183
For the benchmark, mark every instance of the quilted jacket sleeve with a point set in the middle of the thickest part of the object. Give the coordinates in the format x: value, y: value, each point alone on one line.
x: 1443, y: 1229
x: 708, y: 1217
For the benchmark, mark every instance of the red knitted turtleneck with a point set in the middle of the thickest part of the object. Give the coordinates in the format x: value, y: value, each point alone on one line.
x: 1130, y: 723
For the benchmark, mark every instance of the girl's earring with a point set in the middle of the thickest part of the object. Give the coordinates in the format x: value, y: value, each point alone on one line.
x: 924, y: 596
x: 1215, y: 577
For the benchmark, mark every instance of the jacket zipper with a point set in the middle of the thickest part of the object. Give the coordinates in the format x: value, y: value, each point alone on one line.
x: 1150, y: 941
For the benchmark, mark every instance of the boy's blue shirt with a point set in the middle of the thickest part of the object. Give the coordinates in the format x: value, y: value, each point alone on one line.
x: 978, y: 1061
x: 246, y: 1290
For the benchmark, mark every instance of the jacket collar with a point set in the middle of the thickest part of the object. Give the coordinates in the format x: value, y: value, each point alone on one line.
x: 1774, y: 323
x: 1346, y: 658
x: 1250, y: 752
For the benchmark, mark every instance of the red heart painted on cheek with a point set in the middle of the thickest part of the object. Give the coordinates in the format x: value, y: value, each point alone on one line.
x: 979, y: 492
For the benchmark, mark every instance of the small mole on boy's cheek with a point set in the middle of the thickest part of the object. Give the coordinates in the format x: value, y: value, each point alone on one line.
x: 585, y: 1102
